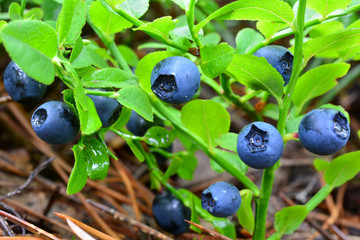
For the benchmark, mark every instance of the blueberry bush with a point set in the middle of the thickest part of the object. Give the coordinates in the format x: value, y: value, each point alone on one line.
x: 105, y: 82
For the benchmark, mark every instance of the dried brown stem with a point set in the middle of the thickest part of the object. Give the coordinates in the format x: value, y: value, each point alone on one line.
x: 211, y: 232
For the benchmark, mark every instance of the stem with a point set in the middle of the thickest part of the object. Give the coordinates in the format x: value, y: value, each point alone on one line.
x: 288, y: 31
x: 218, y: 158
x: 318, y: 197
x: 269, y: 173
x: 101, y: 93
x: 190, y: 21
x: 22, y: 7
x: 249, y: 96
x: 127, y: 136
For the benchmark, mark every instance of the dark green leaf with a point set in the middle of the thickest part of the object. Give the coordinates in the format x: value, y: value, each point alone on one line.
x: 26, y: 40
x: 246, y: 39
x: 135, y: 98
x: 210, y: 121
x: 288, y: 219
x: 256, y: 73
x: 158, y: 137
x: 109, y: 77
x: 215, y: 59
x: 78, y: 176
x: 342, y: 169
x: 245, y: 213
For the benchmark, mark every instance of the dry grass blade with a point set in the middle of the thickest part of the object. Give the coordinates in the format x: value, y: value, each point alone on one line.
x: 211, y: 232
x: 132, y: 222
x: 28, y: 226
x: 85, y: 227
x: 78, y: 231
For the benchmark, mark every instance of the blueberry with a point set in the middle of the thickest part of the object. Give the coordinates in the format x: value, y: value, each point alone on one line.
x: 138, y: 126
x: 108, y: 109
x: 55, y: 123
x: 21, y: 87
x: 175, y: 80
x: 280, y: 58
x: 259, y: 145
x: 324, y: 131
x: 221, y: 199
x: 170, y: 212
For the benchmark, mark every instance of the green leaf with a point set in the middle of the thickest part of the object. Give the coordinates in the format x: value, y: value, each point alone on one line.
x: 271, y: 111
x: 225, y: 227
x: 228, y: 141
x: 158, y: 137
x: 234, y: 159
x: 81, y: 57
x: 175, y: 163
x: 109, y: 77
x: 188, y: 166
x: 71, y: 20
x: 194, y: 216
x: 123, y: 118
x: 266, y: 10
x: 136, y: 151
x: 326, y: 28
x: 268, y: 29
x: 78, y: 176
x: 216, y: 167
x: 130, y: 56
x: 89, y: 119
x: 211, y: 38
x: 246, y: 39
x: 210, y: 121
x: 51, y: 10
x: 333, y: 42
x: 2, y: 25
x: 183, y: 4
x: 14, y: 11
x: 34, y: 13
x: 292, y: 124
x: 96, y: 156
x: 321, y: 164
x: 215, y: 59
x: 135, y: 98
x: 135, y: 8
x: 245, y: 213
x: 342, y: 169
x: 160, y: 26
x: 32, y: 45
x: 288, y: 219
x: 328, y: 6
x: 317, y: 81
x: 147, y: 64
x: 107, y: 21
x: 257, y: 74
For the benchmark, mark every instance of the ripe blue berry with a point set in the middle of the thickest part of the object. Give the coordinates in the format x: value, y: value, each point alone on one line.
x: 259, y: 145
x: 21, y: 87
x: 221, y: 199
x: 55, y: 123
x: 170, y: 212
x: 324, y: 131
x: 138, y: 126
x: 108, y: 109
x: 280, y: 58
x: 175, y: 80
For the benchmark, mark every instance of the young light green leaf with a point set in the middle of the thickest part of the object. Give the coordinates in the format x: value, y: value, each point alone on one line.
x: 188, y: 166
x: 228, y: 141
x: 109, y: 77
x: 78, y: 176
x: 256, y: 73
x: 288, y: 219
x: 114, y: 3
x: 34, y: 13
x: 147, y: 64
x: 210, y: 121
x: 158, y: 137
x: 268, y: 29
x: 135, y: 8
x: 317, y: 81
x: 107, y: 21
x: 246, y: 39
x: 342, y: 169
x: 71, y: 20
x: 266, y: 10
x: 245, y: 213
x: 160, y: 26
x: 210, y: 38
x: 130, y: 56
x: 328, y: 6
x: 321, y: 164
x: 32, y: 45
x: 14, y: 11
x: 89, y: 119
x: 215, y: 59
x: 326, y: 28
x: 2, y: 25
x: 333, y: 42
x: 183, y: 4
x: 135, y: 98
x: 96, y: 157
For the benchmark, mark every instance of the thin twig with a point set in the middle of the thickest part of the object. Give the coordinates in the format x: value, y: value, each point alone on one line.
x: 211, y: 232
x: 338, y: 232
x: 28, y: 226
x: 29, y: 180
x: 5, y: 99
x: 6, y: 228
x: 11, y: 210
x: 132, y: 222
